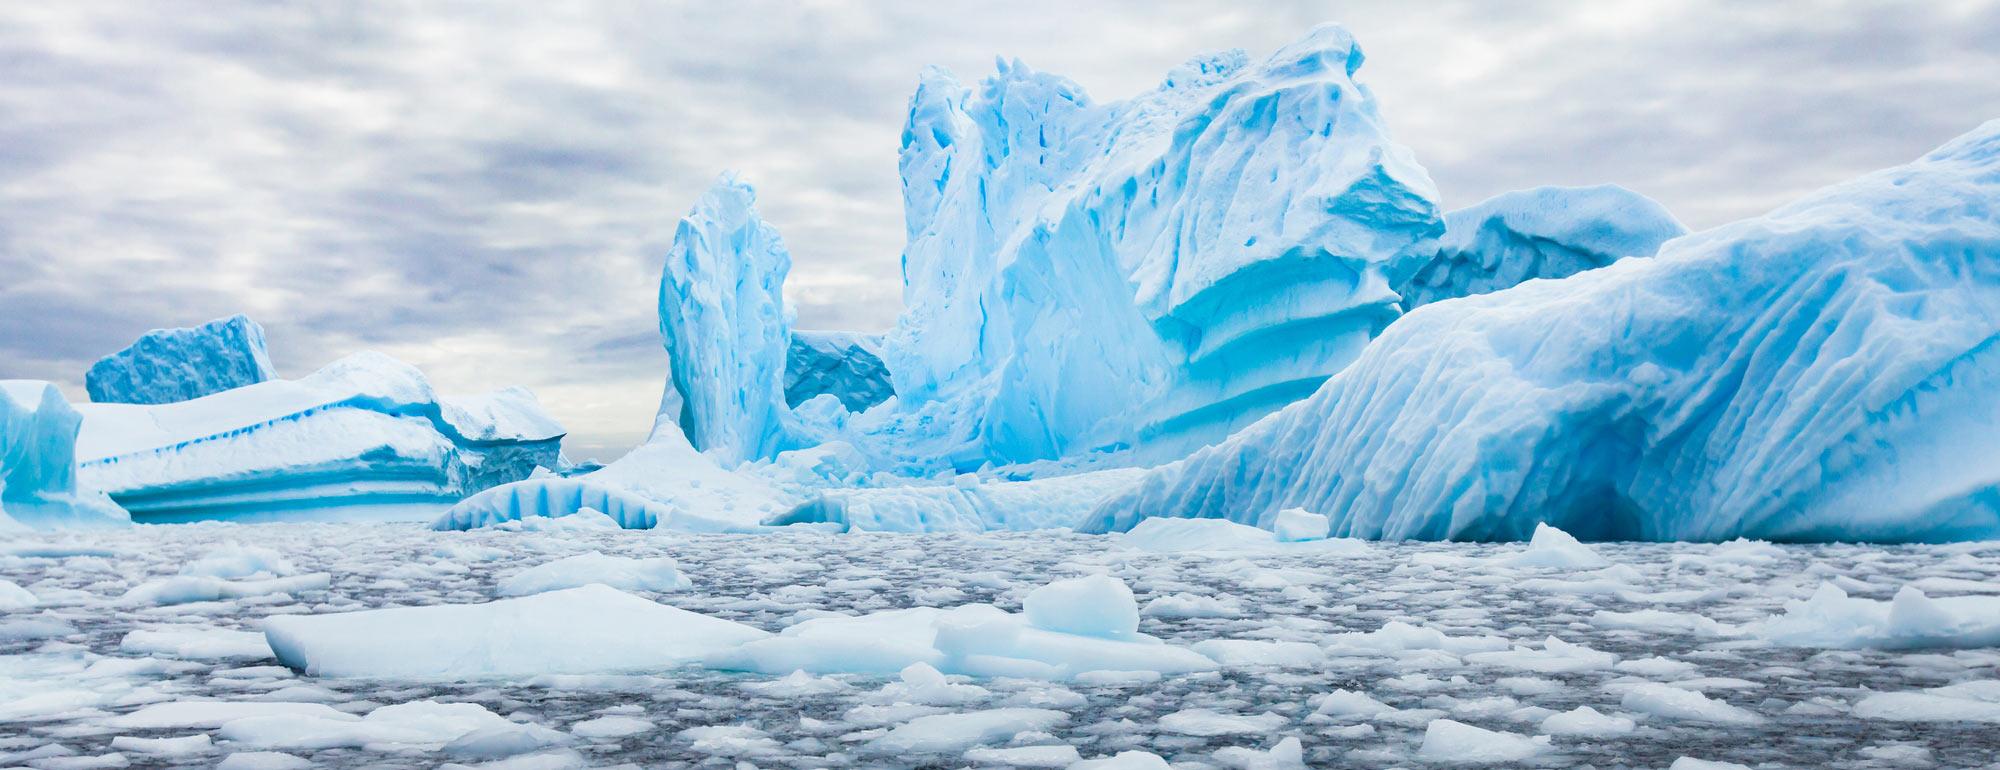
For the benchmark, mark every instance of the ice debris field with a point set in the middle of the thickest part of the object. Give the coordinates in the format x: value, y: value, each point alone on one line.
x: 1196, y: 643
x: 1208, y: 438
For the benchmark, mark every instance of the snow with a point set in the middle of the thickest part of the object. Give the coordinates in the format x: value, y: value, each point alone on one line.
x: 365, y: 437
x: 591, y: 629
x: 727, y: 326
x: 845, y: 365
x: 623, y: 573
x: 169, y: 365
x: 1823, y: 372
x: 1911, y: 620
x: 38, y: 452
x: 1545, y: 232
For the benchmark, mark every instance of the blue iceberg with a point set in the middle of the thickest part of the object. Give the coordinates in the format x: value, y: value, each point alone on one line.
x: 38, y: 484
x: 363, y: 438
x: 1545, y: 232
x: 169, y: 365
x: 1829, y: 371
x: 845, y: 365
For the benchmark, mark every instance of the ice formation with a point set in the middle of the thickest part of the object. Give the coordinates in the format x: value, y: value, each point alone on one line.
x: 169, y: 365
x: 365, y: 436
x: 727, y: 327
x: 1155, y: 271
x: 845, y: 365
x: 1825, y: 372
x: 1545, y: 232
x: 38, y: 479
x: 968, y: 504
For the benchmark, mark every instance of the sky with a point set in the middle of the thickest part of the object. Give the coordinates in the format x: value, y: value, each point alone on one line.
x: 487, y: 189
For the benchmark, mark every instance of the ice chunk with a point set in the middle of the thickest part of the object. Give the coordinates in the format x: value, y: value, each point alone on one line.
x: 263, y: 760
x: 182, y: 589
x: 1457, y: 742
x: 1288, y: 754
x: 1058, y: 755
x: 425, y: 725
x: 1690, y: 763
x: 845, y: 365
x: 1554, y: 548
x: 1204, y: 722
x: 169, y: 365
x: 14, y: 597
x: 1672, y: 702
x: 620, y: 572
x: 727, y: 327
x: 1222, y: 536
x: 1545, y: 232
x: 1975, y: 701
x: 363, y: 437
x: 1347, y: 704
x: 1911, y: 620
x: 212, y: 714
x: 235, y: 562
x: 1095, y: 605
x: 1823, y: 372
x: 590, y: 629
x: 1296, y: 524
x: 611, y: 727
x: 196, y: 643
x: 183, y: 746
x: 1586, y: 722
x: 38, y: 463
x: 1125, y: 760
x: 939, y: 733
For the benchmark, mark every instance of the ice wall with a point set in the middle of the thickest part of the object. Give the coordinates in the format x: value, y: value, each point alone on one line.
x: 727, y: 327
x: 38, y: 487
x: 1155, y: 271
x: 1544, y: 232
x: 845, y: 365
x: 169, y: 365
x: 1829, y: 371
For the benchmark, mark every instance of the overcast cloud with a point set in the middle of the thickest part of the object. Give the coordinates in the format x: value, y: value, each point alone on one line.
x: 486, y: 190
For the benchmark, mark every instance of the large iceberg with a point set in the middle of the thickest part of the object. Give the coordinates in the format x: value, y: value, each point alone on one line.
x: 38, y: 486
x: 1545, y: 232
x: 364, y: 437
x: 1829, y: 371
x: 1161, y: 270
x: 169, y: 365
x: 845, y: 365
x: 727, y: 326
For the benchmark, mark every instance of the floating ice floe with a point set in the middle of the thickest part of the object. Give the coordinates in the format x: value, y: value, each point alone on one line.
x: 624, y: 573
x: 1911, y: 620
x: 590, y: 629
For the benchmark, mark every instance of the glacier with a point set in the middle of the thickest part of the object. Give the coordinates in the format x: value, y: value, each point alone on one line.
x: 38, y: 480
x: 1828, y: 371
x: 1544, y: 232
x: 845, y: 365
x: 169, y: 365
x: 727, y: 326
x: 1148, y: 273
x: 364, y: 437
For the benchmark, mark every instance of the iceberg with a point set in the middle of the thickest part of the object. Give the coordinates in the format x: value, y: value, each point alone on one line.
x: 170, y: 365
x: 1153, y: 272
x: 1825, y: 372
x: 845, y: 365
x: 38, y: 473
x: 1545, y: 232
x: 968, y: 504
x: 364, y: 437
x: 727, y: 326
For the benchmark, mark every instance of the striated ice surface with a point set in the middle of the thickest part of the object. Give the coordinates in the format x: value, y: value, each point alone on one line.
x: 845, y: 365
x: 1545, y: 232
x: 1825, y: 372
x: 169, y: 365
x: 363, y: 437
x: 727, y: 327
x: 1408, y: 654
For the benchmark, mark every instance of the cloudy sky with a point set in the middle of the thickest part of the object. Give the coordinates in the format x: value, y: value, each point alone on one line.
x: 487, y: 189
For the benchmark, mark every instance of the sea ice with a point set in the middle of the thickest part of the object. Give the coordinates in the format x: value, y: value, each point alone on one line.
x: 623, y: 573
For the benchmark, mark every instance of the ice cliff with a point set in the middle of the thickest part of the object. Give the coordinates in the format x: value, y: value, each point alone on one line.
x: 845, y: 365
x: 1545, y: 232
x: 169, y: 365
x: 1155, y: 271
x: 1829, y: 371
x: 38, y: 487
x: 727, y: 326
x: 363, y: 437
